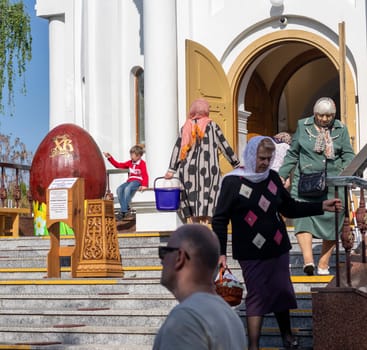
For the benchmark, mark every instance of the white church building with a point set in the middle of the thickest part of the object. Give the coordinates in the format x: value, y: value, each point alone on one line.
x: 127, y: 70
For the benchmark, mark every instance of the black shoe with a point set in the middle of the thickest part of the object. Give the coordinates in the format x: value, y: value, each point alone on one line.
x: 290, y: 343
x: 129, y: 216
x: 309, y: 269
x: 120, y: 216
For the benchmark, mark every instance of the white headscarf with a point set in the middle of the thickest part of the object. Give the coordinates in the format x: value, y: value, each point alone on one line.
x: 249, y: 160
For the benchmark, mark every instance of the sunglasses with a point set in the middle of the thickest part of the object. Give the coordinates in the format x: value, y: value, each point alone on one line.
x: 163, y: 251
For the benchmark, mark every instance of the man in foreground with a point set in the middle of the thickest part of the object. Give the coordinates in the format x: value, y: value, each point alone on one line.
x: 202, y: 319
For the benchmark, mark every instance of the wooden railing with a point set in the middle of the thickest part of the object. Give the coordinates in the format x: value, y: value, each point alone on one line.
x: 109, y: 194
x: 13, y: 176
x: 16, y: 200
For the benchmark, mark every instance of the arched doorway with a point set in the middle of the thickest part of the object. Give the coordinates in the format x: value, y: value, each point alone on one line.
x: 278, y: 78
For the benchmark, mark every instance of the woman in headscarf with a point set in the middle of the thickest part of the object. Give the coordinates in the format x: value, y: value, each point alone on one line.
x: 320, y: 142
x: 195, y: 157
x: 282, y: 143
x: 252, y: 199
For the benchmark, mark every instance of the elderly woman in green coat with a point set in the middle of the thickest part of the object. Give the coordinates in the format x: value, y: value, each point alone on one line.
x: 320, y: 141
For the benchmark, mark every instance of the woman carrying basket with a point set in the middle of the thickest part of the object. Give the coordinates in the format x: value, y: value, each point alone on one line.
x: 195, y: 157
x: 253, y: 198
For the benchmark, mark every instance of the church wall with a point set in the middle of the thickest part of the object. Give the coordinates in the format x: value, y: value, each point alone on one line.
x: 227, y: 28
x: 104, y: 42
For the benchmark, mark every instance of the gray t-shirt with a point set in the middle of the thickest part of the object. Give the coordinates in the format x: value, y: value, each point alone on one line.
x: 202, y: 321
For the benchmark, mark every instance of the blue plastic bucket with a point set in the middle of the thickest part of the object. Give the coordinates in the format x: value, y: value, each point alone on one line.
x: 166, y: 198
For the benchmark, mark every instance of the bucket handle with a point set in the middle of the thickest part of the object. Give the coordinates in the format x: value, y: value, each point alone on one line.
x: 162, y: 177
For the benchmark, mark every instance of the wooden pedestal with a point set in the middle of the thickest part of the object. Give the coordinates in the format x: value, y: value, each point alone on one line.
x: 99, y: 254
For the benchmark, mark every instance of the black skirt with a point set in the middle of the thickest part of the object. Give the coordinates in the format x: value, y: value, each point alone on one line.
x: 268, y: 284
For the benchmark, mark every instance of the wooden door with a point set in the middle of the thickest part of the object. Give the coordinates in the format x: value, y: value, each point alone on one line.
x: 205, y: 78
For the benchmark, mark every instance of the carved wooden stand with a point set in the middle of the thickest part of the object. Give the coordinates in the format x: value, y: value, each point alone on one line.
x: 100, y: 254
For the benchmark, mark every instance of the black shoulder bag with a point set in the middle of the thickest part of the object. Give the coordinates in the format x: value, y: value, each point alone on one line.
x: 312, y: 185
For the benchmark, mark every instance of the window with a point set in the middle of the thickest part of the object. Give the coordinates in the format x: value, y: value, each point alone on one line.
x: 139, y: 106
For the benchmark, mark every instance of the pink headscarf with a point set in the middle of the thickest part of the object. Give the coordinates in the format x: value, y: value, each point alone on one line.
x: 195, y: 125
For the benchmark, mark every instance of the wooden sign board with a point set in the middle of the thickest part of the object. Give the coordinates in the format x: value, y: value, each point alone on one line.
x: 64, y: 198
x: 65, y: 203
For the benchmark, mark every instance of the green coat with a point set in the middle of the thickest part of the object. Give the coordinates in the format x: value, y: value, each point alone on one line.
x: 301, y: 154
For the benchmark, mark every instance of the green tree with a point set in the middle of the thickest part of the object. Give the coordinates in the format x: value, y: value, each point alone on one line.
x: 15, y: 47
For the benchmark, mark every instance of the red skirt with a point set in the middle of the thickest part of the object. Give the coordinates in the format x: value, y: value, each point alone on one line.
x: 269, y: 286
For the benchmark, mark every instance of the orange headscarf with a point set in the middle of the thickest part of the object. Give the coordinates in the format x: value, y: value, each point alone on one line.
x: 195, y: 125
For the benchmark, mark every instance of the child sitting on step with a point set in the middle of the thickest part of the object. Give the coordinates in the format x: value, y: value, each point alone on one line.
x: 137, y: 178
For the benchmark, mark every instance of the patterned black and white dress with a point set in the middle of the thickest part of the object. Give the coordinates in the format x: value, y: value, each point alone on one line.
x: 199, y: 172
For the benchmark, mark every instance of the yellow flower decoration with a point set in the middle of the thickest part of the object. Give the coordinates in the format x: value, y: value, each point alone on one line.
x: 40, y: 210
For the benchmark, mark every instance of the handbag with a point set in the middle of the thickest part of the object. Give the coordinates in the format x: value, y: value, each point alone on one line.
x: 228, y: 287
x: 312, y: 185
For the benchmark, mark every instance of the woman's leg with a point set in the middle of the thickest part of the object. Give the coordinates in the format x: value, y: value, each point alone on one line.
x: 305, y: 243
x: 284, y: 323
x: 254, y: 324
x: 326, y: 252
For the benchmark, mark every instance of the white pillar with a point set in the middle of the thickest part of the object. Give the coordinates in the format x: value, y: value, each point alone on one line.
x: 242, y: 131
x: 160, y: 84
x: 57, y: 70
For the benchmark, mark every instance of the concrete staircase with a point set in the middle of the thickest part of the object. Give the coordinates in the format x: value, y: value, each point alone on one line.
x: 109, y: 313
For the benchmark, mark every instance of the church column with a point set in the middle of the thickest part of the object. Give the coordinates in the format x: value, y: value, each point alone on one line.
x: 242, y: 132
x: 57, y: 70
x: 160, y: 84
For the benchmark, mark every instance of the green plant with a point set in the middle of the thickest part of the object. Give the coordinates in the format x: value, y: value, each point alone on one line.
x: 15, y: 47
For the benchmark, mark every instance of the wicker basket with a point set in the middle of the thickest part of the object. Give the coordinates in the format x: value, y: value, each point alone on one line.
x: 231, y: 294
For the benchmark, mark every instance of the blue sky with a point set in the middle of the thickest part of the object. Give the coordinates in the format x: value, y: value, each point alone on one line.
x: 30, y: 121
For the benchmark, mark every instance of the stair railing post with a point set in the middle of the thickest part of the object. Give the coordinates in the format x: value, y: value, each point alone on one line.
x: 361, y: 220
x: 17, y: 193
x: 347, y: 237
x: 3, y: 191
x: 337, y: 276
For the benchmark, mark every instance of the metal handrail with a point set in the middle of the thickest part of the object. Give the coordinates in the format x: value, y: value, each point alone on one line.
x: 347, y: 236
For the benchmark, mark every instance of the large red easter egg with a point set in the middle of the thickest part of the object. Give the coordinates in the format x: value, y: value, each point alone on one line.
x: 68, y: 151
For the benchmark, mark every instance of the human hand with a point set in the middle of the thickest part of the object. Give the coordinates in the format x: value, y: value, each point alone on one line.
x: 223, y: 261
x: 334, y: 204
x: 106, y: 154
x: 287, y: 183
x: 143, y: 188
x: 169, y: 175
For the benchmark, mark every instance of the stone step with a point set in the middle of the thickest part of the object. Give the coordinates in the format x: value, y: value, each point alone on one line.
x: 109, y: 313
x: 119, y: 336
x: 86, y: 298
x: 74, y: 302
x: 84, y: 286
x: 92, y: 316
x: 146, y: 259
x: 135, y: 278
x: 127, y: 242
x: 93, y: 347
x: 78, y: 334
x: 59, y: 346
x: 112, y: 316
x: 270, y: 338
